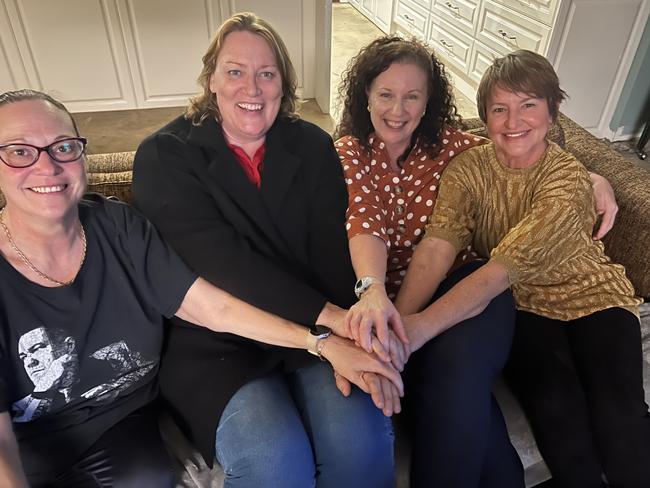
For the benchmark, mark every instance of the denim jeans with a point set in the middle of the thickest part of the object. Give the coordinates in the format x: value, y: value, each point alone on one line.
x: 298, y: 430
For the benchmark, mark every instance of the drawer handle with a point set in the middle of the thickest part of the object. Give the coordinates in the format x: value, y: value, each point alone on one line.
x: 409, y: 18
x: 454, y: 8
x: 448, y: 46
x: 505, y: 35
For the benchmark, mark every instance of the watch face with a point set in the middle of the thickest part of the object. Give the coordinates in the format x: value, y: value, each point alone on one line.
x: 320, y: 330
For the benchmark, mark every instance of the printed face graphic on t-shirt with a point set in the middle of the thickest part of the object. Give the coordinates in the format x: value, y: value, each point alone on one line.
x: 47, y: 358
x: 50, y: 359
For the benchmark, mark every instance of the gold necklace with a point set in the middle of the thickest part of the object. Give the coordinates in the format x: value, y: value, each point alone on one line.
x: 29, y: 263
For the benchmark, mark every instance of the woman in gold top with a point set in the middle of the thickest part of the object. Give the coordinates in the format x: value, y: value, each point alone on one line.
x: 528, y: 205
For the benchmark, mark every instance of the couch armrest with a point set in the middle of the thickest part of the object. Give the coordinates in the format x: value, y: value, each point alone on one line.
x: 111, y: 174
x: 628, y: 242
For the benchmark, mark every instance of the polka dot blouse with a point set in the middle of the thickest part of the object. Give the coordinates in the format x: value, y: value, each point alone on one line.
x: 395, y: 205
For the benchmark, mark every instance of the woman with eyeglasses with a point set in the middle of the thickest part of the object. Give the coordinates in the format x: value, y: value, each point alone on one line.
x: 84, y: 285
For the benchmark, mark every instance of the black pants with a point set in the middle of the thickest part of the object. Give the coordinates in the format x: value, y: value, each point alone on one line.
x: 581, y: 386
x: 130, y: 454
x: 458, y: 434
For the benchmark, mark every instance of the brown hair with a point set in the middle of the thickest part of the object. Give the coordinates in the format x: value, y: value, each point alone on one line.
x: 376, y: 58
x: 27, y: 94
x: 521, y: 71
x: 205, y: 104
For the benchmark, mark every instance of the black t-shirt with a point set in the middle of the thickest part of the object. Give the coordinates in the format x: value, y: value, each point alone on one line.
x: 75, y: 360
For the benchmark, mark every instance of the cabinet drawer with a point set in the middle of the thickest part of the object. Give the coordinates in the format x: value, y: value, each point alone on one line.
x: 542, y: 10
x: 425, y: 4
x: 505, y: 30
x: 451, y: 44
x: 480, y: 59
x: 412, y: 18
x: 461, y: 13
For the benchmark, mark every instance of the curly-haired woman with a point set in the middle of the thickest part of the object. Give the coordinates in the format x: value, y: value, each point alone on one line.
x: 398, y: 132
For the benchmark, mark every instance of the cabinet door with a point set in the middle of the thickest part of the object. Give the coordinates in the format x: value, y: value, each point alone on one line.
x: 412, y: 18
x: 505, y: 30
x: 542, y: 10
x: 368, y: 8
x: 461, y: 13
x: 98, y: 77
x: 450, y: 43
x: 166, y: 40
x: 383, y: 14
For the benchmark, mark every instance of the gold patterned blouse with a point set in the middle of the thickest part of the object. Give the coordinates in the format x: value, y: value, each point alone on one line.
x: 395, y: 205
x: 537, y: 222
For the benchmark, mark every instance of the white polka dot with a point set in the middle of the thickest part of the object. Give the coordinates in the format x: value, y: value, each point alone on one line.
x: 433, y: 187
x: 423, y: 158
x: 358, y: 176
x: 451, y: 153
x: 466, y: 142
x: 400, y: 221
x: 395, y: 260
x: 348, y: 181
x: 476, y: 139
x: 423, y: 218
x: 398, y: 282
x: 400, y: 201
x: 418, y: 199
x: 409, y: 216
x: 362, y: 209
x: 387, y: 188
x: 357, y: 199
x: 374, y: 233
x: 429, y: 203
x: 391, y: 295
x: 402, y: 272
x: 381, y: 145
x: 390, y: 232
x: 355, y: 161
x: 373, y: 162
x: 378, y: 217
x: 349, y: 153
x: 407, y: 243
x: 445, y: 141
x: 395, y: 179
x: 346, y: 167
x: 417, y: 182
x: 365, y: 225
x: 410, y: 193
x: 349, y: 143
x: 417, y: 232
x: 447, y: 133
x: 384, y: 166
x: 348, y: 226
x: 376, y: 177
x: 339, y: 144
x: 421, y: 166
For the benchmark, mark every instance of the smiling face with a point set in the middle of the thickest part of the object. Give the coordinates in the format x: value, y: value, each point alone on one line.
x: 47, y: 188
x: 248, y: 87
x: 397, y: 98
x: 517, y: 124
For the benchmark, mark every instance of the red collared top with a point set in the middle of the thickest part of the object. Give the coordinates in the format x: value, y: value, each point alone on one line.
x: 252, y: 168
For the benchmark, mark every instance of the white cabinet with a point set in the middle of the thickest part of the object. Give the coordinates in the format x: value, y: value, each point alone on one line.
x: 591, y: 43
x: 412, y: 17
x: 379, y: 12
x: 123, y: 54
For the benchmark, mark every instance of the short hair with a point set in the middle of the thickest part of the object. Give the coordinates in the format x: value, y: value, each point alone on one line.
x: 376, y: 58
x: 521, y: 71
x: 28, y: 94
x: 205, y: 104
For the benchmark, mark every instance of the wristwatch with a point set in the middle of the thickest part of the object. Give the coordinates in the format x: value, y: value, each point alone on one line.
x: 364, y: 283
x: 315, y: 335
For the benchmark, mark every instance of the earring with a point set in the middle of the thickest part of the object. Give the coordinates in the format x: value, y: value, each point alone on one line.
x: 368, y: 107
x: 423, y: 112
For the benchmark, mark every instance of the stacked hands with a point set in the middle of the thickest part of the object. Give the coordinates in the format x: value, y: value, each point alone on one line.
x: 374, y: 329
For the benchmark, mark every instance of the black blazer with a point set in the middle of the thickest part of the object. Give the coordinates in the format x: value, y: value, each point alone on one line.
x: 282, y: 248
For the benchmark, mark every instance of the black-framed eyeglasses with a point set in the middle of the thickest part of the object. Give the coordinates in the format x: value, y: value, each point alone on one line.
x: 24, y: 155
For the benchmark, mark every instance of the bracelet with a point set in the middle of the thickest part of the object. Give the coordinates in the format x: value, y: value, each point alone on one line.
x: 319, y: 349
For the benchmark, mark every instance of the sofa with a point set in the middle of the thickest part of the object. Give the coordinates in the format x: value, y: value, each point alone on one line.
x: 627, y: 243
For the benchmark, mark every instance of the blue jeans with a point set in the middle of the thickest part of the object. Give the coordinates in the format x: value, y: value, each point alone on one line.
x: 298, y: 430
